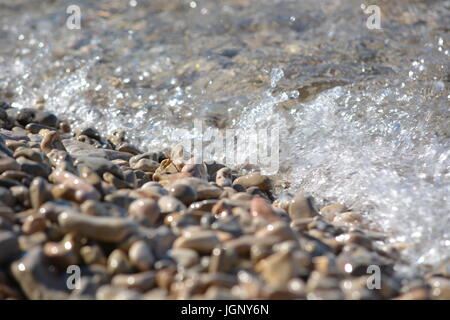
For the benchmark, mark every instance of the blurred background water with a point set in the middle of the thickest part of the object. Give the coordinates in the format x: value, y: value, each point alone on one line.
x: 364, y: 113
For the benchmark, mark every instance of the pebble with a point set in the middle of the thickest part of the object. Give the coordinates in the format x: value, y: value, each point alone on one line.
x: 169, y: 204
x: 118, y: 262
x: 350, y: 219
x: 61, y: 254
x: 146, y: 165
x: 9, y: 245
x: 330, y: 211
x: 302, y: 206
x: 142, y: 281
x: 8, y: 163
x: 197, y: 170
x: 201, y: 241
x: 92, y: 255
x: 40, y: 192
x: 277, y: 269
x: 184, y: 257
x: 141, y: 256
x: 105, y: 229
x: 83, y: 190
x: 254, y: 180
x: 203, y: 188
x: 33, y: 168
x: 36, y: 279
x: 223, y: 260
x: 34, y: 224
x: 99, y: 165
x: 144, y: 211
x: 183, y: 192
x: 259, y: 207
x: 279, y: 230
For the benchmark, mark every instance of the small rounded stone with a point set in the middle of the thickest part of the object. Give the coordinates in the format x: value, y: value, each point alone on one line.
x: 184, y: 193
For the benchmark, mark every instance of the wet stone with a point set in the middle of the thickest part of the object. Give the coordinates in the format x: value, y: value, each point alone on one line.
x: 141, y: 256
x: 259, y: 207
x: 222, y: 260
x: 200, y: 241
x: 128, y: 148
x: 279, y: 230
x: 89, y: 132
x: 9, y: 245
x: 61, y: 254
x: 34, y: 224
x: 330, y: 211
x: 40, y: 192
x: 119, y: 198
x: 100, y: 165
x: 83, y: 190
x: 6, y: 197
x: 254, y: 180
x: 8, y: 163
x: 184, y: 193
x: 93, y: 255
x: 146, y: 165
x: 36, y: 279
x: 100, y: 228
x: 118, y: 262
x: 203, y: 188
x: 33, y: 168
x: 144, y: 211
x: 197, y: 170
x: 229, y: 224
x: 184, y: 257
x: 277, y: 269
x: 302, y: 207
x: 349, y: 219
x: 169, y: 204
x: 205, y: 205
x: 116, y: 182
x: 142, y: 281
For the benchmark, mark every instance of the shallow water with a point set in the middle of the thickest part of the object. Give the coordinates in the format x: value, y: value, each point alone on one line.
x: 364, y: 114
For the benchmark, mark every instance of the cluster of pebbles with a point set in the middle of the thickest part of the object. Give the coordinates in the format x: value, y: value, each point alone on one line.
x: 158, y: 225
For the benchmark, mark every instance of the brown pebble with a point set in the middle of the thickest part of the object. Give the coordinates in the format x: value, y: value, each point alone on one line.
x: 142, y: 281
x: 105, y: 229
x: 141, y: 256
x: 61, y: 254
x: 40, y: 192
x: 169, y: 204
x: 145, y: 211
x: 330, y: 211
x: 118, y: 262
x: 200, y: 241
x: 349, y: 218
x: 93, y: 254
x: 302, y: 207
x: 261, y: 208
x: 277, y: 269
x: 184, y: 193
x: 8, y: 163
x: 34, y: 224
x: 254, y: 180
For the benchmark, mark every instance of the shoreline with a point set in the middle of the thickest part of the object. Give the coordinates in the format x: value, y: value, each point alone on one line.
x: 92, y: 217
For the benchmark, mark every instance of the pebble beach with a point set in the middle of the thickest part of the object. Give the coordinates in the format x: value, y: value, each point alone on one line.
x: 101, y: 200
x: 149, y: 225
